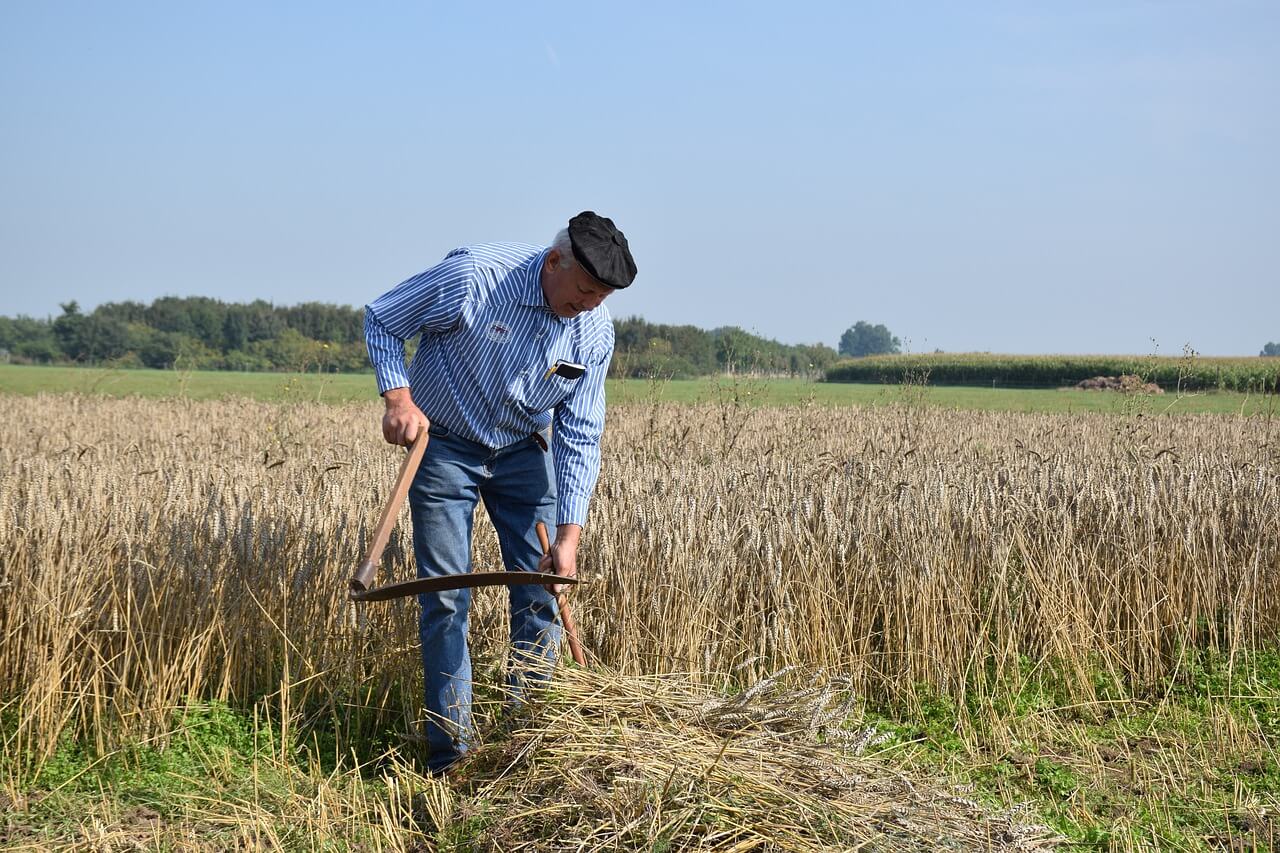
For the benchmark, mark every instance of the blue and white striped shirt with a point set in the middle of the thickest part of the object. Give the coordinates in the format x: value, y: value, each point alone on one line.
x: 487, y: 339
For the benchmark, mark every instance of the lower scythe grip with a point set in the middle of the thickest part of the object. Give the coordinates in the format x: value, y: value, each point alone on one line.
x: 363, y: 578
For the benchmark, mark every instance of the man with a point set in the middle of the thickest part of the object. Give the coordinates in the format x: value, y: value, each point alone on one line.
x: 505, y: 332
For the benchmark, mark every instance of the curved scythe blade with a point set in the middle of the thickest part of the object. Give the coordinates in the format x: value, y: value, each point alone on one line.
x: 400, y: 589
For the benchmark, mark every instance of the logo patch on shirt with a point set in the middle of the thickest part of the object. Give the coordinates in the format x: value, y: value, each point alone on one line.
x: 498, y: 332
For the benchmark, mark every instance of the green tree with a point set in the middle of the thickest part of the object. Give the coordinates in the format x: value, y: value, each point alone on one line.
x: 1270, y: 349
x: 28, y: 339
x: 291, y: 350
x: 650, y: 349
x: 90, y: 338
x: 734, y: 350
x: 197, y: 316
x: 235, y: 328
x: 862, y: 338
x: 156, y: 348
x: 323, y: 322
x: 264, y: 319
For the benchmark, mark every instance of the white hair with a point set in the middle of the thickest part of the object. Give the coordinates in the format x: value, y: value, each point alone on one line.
x: 562, y: 245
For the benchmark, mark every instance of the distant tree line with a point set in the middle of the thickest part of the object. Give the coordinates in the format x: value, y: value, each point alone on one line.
x: 643, y: 349
x: 1270, y: 349
x: 200, y: 333
x: 194, y: 333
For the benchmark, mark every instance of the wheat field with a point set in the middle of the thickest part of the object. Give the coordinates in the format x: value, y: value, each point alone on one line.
x: 156, y: 551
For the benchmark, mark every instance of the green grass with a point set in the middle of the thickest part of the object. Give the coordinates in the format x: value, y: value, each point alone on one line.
x: 224, y: 776
x: 338, y: 388
x: 195, y: 385
x: 211, y: 754
x: 1191, y: 765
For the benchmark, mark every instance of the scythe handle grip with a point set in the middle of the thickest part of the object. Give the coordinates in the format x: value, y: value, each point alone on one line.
x: 566, y: 615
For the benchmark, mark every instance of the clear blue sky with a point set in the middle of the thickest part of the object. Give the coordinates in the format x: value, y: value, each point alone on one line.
x: 1016, y: 177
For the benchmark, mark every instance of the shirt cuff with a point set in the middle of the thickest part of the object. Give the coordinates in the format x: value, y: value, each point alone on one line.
x: 390, y: 375
x: 572, y: 509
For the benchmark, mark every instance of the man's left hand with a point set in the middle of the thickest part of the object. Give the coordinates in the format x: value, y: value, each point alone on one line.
x: 563, y: 557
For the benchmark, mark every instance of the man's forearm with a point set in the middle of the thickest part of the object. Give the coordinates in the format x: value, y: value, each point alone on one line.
x: 578, y: 425
x: 396, y: 397
x: 567, y: 535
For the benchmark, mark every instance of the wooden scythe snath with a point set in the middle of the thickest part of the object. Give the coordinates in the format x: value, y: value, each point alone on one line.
x: 562, y: 603
x: 361, y: 587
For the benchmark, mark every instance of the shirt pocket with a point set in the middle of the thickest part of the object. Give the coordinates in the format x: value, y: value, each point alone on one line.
x: 543, y: 393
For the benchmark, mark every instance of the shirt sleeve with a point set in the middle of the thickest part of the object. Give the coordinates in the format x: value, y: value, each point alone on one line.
x: 575, y: 440
x: 431, y: 301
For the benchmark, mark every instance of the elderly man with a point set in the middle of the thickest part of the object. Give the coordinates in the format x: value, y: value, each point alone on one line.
x: 508, y: 379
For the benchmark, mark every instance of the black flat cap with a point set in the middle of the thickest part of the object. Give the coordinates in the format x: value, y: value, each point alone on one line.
x: 602, y: 249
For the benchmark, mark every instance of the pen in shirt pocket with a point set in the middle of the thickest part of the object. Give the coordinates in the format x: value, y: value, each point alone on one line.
x: 565, y: 370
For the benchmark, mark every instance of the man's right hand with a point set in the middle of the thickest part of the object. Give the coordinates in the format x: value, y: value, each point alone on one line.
x: 403, y: 419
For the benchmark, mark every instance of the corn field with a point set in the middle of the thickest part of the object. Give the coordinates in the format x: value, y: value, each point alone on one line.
x: 1189, y: 372
x: 158, y: 551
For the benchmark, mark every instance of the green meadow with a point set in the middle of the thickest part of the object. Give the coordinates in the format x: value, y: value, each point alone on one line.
x: 348, y: 387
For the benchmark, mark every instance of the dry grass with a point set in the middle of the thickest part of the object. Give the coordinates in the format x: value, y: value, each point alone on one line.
x: 613, y: 762
x: 160, y: 552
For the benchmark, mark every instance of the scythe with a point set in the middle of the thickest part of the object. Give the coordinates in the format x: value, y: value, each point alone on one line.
x: 361, y: 586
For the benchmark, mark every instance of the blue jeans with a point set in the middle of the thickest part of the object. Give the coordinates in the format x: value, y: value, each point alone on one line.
x: 517, y: 485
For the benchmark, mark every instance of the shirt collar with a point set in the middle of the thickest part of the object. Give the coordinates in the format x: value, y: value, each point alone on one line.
x: 531, y: 289
x: 531, y: 292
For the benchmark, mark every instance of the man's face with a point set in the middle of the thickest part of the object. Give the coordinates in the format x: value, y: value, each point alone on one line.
x: 570, y: 290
